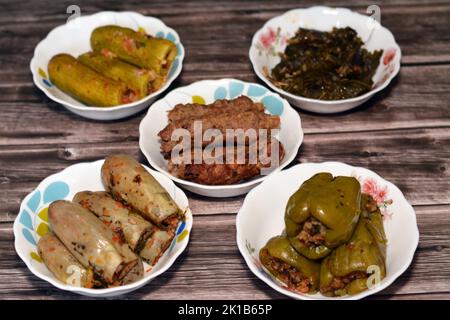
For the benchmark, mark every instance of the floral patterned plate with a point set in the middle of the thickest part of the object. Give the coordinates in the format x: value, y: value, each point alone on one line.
x: 73, y: 38
x: 32, y: 223
x: 262, y: 217
x: 272, y: 38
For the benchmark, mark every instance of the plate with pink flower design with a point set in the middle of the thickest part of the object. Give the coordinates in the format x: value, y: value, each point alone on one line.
x: 261, y: 217
x: 272, y: 39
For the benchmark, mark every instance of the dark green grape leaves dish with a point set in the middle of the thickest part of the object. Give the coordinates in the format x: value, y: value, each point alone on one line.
x: 326, y: 65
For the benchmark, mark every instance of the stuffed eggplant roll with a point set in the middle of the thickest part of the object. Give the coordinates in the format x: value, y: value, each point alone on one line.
x: 138, y: 79
x: 63, y: 264
x: 350, y: 268
x: 130, y: 226
x: 288, y: 266
x: 322, y: 214
x: 87, y: 85
x: 135, y: 47
x: 156, y: 245
x: 94, y: 244
x: 131, y: 183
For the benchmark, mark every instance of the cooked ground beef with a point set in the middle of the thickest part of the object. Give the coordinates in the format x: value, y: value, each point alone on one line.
x: 340, y: 282
x: 293, y: 278
x: 312, y: 233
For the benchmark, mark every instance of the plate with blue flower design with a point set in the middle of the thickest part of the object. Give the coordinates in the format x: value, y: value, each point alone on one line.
x: 290, y: 133
x: 32, y: 223
x: 73, y: 37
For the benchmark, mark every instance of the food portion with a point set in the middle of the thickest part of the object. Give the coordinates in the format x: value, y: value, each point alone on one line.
x: 144, y: 238
x: 236, y: 141
x: 131, y: 227
x: 322, y: 214
x: 85, y: 84
x: 288, y: 266
x: 97, y: 241
x: 326, y: 65
x: 196, y: 110
x: 139, y: 80
x: 129, y: 182
x: 157, y: 244
x: 135, y: 47
x: 345, y: 270
x: 215, y: 170
x: 63, y: 264
x: 93, y: 244
x: 125, y: 66
x: 330, y: 223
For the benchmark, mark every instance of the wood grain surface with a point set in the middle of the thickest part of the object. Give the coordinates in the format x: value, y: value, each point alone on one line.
x: 403, y: 134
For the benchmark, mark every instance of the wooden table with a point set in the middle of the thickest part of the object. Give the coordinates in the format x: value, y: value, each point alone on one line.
x: 403, y: 134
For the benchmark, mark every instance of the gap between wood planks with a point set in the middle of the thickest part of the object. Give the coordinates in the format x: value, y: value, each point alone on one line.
x: 8, y: 148
x: 421, y: 211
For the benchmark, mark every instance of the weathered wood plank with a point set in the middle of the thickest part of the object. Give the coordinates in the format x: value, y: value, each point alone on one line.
x: 214, y: 267
x: 31, y: 11
x: 418, y: 99
x: 416, y: 160
x: 219, y: 40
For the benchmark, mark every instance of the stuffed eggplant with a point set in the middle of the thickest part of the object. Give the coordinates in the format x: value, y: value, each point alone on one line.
x: 94, y: 244
x: 135, y: 47
x: 131, y: 183
x: 137, y: 79
x: 130, y: 226
x: 322, y: 214
x: 288, y: 266
x: 144, y: 238
x: 348, y: 268
x: 63, y: 264
x: 156, y: 245
x: 87, y: 85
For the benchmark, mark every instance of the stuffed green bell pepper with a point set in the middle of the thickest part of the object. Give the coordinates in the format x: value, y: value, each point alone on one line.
x: 355, y: 266
x: 291, y: 268
x: 322, y: 214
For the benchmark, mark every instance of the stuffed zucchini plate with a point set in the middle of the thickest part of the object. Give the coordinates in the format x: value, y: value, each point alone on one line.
x: 81, y: 65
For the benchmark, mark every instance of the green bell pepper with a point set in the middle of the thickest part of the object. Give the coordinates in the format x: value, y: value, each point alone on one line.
x: 291, y: 268
x: 346, y: 269
x: 334, y: 202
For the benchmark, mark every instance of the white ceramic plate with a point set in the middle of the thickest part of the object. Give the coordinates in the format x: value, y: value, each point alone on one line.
x: 261, y: 217
x: 272, y: 39
x: 73, y: 38
x: 31, y: 224
x: 207, y: 91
